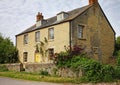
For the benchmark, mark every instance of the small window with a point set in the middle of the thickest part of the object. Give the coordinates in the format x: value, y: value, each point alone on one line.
x: 80, y: 31
x: 51, y: 33
x: 26, y: 39
x: 59, y: 17
x: 25, y: 54
x: 51, y: 53
x: 37, y: 36
x: 95, y: 50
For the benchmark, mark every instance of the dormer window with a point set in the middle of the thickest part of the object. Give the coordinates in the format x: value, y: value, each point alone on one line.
x: 40, y: 23
x: 61, y: 16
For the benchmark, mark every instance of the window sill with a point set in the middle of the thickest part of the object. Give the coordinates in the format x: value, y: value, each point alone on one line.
x: 26, y: 44
x: 81, y: 39
x: 25, y: 62
x: 51, y: 40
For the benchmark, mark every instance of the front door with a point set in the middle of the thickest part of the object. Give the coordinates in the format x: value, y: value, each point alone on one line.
x: 37, y: 57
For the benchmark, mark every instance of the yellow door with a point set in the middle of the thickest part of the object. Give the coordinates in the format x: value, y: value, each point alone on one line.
x: 37, y: 57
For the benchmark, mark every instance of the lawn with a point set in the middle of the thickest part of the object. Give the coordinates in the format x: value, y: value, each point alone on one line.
x: 37, y: 77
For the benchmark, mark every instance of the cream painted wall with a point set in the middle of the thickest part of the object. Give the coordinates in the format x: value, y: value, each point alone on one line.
x: 61, y: 38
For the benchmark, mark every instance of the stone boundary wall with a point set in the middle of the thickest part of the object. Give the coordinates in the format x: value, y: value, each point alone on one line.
x: 14, y: 67
x: 51, y: 69
x: 36, y: 67
x: 116, y: 83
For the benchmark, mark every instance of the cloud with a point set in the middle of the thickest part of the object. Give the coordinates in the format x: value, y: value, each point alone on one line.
x: 17, y: 15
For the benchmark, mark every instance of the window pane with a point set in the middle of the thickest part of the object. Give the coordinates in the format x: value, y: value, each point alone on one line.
x: 80, y: 31
x: 51, y: 53
x: 37, y: 36
x: 25, y: 54
x: 26, y: 39
x: 51, y: 33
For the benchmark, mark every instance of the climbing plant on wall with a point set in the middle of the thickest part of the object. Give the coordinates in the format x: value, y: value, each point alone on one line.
x: 41, y: 47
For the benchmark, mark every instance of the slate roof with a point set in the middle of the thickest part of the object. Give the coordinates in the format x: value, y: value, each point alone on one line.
x: 53, y: 20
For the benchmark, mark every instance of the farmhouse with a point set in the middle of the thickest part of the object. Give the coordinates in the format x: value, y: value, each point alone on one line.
x: 87, y: 27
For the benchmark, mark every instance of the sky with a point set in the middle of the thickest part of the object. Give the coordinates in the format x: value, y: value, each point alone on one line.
x: 18, y: 15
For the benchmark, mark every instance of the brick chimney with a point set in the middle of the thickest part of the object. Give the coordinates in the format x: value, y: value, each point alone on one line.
x: 39, y: 17
x: 92, y: 2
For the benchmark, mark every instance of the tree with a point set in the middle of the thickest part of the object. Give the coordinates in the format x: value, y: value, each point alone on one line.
x: 118, y: 43
x: 8, y: 52
x: 117, y: 50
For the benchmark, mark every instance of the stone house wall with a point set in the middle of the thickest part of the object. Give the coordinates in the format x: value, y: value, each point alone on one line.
x: 98, y: 36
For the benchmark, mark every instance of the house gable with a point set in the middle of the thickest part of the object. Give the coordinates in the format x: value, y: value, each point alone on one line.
x: 97, y: 33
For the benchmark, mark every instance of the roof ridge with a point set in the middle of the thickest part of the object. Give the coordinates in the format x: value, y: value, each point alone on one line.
x: 52, y: 20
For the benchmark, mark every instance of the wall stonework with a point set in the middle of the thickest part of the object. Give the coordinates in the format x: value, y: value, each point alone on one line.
x: 61, y: 38
x: 50, y: 68
x: 14, y: 67
x: 98, y: 36
x: 36, y: 67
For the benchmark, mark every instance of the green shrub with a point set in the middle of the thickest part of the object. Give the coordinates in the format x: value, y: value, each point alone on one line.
x: 107, y: 73
x: 62, y: 60
x: 93, y: 71
x: 55, y: 70
x: 117, y: 72
x: 3, y: 68
x: 118, y: 58
x: 44, y: 73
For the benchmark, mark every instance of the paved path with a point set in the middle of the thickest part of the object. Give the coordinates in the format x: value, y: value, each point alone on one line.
x: 10, y: 81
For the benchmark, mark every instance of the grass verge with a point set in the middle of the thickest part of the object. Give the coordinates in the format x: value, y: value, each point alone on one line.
x: 37, y: 77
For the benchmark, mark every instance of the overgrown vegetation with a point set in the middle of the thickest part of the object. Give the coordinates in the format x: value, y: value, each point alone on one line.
x: 44, y: 72
x: 117, y: 46
x: 8, y: 52
x: 3, y: 68
x: 93, y: 71
x: 117, y: 50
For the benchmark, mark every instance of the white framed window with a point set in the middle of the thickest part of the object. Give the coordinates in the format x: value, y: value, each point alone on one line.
x: 37, y: 36
x: 59, y: 17
x: 25, y: 56
x: 51, y: 33
x: 80, y: 31
x: 26, y: 39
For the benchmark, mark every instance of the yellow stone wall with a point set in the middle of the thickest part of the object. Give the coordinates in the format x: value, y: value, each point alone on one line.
x: 61, y: 38
x: 97, y: 34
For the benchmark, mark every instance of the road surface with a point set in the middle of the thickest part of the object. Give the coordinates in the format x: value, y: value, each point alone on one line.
x: 10, y: 81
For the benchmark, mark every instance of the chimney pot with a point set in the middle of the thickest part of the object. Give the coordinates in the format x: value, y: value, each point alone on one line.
x: 92, y: 2
x: 39, y: 17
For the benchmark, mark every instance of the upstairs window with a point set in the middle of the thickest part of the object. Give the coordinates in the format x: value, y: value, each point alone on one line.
x: 80, y: 31
x: 25, y: 55
x: 26, y: 39
x: 37, y: 36
x: 51, y: 33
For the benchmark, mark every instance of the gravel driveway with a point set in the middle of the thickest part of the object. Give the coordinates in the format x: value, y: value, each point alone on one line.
x: 10, y: 81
